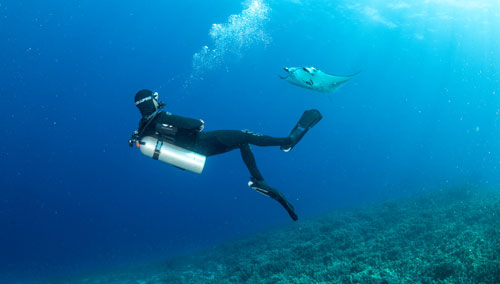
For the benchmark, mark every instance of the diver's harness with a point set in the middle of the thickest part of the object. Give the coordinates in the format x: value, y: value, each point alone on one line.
x: 161, y: 147
x: 138, y: 133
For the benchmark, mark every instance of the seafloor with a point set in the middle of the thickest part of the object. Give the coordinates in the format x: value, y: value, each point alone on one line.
x: 448, y: 236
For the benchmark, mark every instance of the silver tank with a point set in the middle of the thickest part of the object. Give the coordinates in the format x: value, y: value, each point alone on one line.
x: 171, y: 154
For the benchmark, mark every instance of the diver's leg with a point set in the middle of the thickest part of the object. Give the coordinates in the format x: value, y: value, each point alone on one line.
x: 237, y: 138
x: 221, y: 141
x: 208, y: 144
x: 249, y: 160
x: 258, y: 184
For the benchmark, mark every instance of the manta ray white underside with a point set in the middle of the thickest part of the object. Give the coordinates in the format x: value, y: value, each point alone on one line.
x: 314, y: 79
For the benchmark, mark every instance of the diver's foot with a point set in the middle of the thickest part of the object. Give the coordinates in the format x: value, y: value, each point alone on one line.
x: 308, y: 119
x: 262, y: 187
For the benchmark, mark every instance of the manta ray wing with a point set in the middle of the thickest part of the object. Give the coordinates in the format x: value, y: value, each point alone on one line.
x: 326, y: 83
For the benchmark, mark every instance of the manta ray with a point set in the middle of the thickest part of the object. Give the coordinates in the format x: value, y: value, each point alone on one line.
x: 314, y: 79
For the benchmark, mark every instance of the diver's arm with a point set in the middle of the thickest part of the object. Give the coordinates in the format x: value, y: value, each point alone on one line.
x: 184, y: 122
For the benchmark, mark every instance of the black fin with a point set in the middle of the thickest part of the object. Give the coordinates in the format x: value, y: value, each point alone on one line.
x: 262, y: 187
x: 310, y: 118
x: 307, y: 121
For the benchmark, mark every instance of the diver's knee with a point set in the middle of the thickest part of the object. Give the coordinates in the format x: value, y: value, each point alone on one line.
x: 246, y: 131
x: 245, y: 147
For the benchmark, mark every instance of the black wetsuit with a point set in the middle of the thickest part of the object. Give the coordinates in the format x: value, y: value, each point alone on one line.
x: 186, y: 134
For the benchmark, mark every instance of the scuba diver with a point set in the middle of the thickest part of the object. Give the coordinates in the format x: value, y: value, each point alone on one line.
x: 181, y: 142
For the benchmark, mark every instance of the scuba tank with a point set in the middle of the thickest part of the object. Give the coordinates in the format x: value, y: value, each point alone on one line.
x: 162, y: 147
x: 171, y: 154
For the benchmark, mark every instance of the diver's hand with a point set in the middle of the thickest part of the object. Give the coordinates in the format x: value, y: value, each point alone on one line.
x: 202, y: 126
x: 133, y: 138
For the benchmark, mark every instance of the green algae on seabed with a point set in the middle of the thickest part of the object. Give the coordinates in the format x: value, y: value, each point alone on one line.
x: 450, y: 236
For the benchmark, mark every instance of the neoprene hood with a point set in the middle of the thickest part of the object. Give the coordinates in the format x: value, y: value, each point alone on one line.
x: 144, y: 102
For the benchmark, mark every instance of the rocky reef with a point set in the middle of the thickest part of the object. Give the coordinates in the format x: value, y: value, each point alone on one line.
x: 448, y: 236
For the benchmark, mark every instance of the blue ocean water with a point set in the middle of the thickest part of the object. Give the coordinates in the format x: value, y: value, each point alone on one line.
x: 422, y: 115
